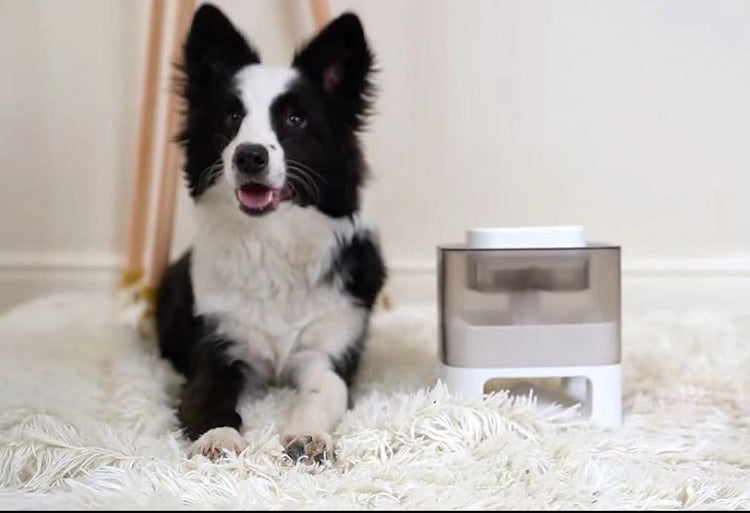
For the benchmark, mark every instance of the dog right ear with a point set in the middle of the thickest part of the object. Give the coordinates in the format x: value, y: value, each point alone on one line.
x: 214, y: 48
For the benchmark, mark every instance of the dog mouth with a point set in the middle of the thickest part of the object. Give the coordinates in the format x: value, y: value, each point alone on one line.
x: 257, y: 199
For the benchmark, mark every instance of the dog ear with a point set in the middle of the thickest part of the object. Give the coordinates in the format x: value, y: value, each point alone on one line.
x: 340, y: 62
x: 214, y: 47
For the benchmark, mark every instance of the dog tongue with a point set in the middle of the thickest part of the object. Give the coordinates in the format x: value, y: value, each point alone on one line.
x: 255, y: 196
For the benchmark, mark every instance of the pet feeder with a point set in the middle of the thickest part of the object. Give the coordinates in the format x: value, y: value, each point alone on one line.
x: 533, y: 309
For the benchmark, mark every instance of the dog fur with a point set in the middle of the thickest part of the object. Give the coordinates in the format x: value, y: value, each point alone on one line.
x: 278, y: 286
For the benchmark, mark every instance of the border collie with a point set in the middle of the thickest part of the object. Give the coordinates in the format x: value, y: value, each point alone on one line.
x: 279, y: 283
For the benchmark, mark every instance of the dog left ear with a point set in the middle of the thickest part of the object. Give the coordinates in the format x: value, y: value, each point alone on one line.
x: 340, y: 62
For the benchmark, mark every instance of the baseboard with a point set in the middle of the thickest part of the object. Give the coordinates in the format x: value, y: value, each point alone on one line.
x: 24, y: 276
x: 716, y: 283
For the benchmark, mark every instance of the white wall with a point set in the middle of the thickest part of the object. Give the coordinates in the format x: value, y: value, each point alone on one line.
x: 632, y: 118
x: 68, y: 95
x: 67, y: 126
x: 629, y: 117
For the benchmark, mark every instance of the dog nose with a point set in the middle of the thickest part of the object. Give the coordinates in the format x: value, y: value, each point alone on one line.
x: 250, y: 158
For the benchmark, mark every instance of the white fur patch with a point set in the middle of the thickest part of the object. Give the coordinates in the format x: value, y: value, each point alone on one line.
x: 258, y: 87
x: 322, y: 396
x: 260, y: 278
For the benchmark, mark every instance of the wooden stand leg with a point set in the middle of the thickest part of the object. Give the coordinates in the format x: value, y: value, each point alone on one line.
x: 139, y: 195
x: 321, y: 13
x: 158, y: 257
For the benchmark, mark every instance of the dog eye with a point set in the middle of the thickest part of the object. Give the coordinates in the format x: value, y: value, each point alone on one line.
x: 295, y: 120
x: 234, y: 118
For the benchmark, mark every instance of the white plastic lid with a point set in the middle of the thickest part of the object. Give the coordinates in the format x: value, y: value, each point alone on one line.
x: 527, y: 237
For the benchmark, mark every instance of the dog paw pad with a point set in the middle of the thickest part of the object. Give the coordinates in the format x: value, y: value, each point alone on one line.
x: 216, y: 442
x: 310, y: 449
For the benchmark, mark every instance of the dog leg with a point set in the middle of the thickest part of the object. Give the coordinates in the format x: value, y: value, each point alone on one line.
x: 320, y: 406
x: 209, y: 409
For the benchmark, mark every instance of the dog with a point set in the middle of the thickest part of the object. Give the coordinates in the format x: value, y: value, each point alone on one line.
x: 279, y: 283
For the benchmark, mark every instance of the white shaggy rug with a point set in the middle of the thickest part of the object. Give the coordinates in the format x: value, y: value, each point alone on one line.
x: 87, y: 421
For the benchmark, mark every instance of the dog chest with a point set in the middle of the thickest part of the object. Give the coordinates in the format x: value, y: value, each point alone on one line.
x: 265, y: 288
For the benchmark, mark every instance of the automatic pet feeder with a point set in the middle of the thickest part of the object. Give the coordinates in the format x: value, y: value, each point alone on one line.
x: 533, y: 309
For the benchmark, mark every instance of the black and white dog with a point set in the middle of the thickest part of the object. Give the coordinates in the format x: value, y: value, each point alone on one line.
x: 282, y: 275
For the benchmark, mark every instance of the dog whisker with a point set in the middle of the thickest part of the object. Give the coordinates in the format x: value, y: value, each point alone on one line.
x: 211, y: 172
x: 295, y: 193
x: 303, y: 172
x: 307, y: 180
x: 305, y: 167
x: 305, y: 185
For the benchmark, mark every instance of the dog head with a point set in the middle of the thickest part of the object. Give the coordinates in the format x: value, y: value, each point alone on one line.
x: 259, y: 138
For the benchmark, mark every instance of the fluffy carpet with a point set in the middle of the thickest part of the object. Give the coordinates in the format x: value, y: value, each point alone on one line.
x: 87, y: 421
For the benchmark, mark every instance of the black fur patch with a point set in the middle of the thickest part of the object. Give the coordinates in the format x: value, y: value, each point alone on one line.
x: 175, y: 323
x: 360, y: 268
x: 213, y: 53
x: 325, y: 166
x: 335, y: 96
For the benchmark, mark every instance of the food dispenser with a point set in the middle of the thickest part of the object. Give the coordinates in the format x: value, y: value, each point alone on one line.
x: 533, y: 309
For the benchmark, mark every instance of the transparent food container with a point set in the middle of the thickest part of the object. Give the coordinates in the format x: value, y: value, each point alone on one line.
x: 532, y: 312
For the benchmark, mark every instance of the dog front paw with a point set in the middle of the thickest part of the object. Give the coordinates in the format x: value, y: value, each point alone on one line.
x: 310, y: 449
x: 215, y: 442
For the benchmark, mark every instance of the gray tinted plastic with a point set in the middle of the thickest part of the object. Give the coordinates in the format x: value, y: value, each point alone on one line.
x: 529, y: 307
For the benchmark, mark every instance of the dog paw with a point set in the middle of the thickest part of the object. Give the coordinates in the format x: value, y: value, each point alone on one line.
x: 215, y: 442
x: 310, y: 449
